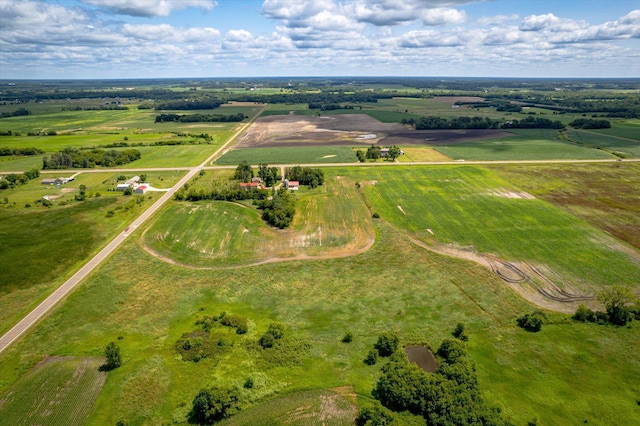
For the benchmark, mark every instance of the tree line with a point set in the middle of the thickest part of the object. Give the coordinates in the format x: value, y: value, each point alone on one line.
x: 589, y: 123
x: 200, y: 118
x: 76, y: 158
x: 6, y: 151
x: 305, y: 175
x: 14, y: 179
x: 16, y: 113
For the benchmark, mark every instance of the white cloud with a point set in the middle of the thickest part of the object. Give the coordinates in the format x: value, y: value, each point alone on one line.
x: 238, y: 35
x: 496, y: 20
x: 399, y: 12
x: 150, y: 8
x: 169, y: 33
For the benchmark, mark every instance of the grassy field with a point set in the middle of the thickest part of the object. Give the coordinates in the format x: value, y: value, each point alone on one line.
x: 221, y: 234
x: 395, y: 286
x: 302, y: 155
x: 623, y: 146
x: 526, y: 144
x: 59, y: 391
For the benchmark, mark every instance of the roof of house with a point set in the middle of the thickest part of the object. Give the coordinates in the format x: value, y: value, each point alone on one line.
x: 143, y: 187
x: 294, y: 183
x: 249, y: 184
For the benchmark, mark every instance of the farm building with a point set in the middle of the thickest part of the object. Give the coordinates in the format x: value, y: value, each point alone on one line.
x: 122, y: 187
x: 385, y: 151
x: 141, y: 189
x: 256, y: 180
x: 134, y: 180
x: 56, y: 181
x: 48, y: 181
x: 249, y: 185
x: 292, y: 185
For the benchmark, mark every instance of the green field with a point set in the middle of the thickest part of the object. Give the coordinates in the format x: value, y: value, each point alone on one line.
x: 526, y: 144
x: 623, y: 146
x: 59, y: 391
x: 302, y: 155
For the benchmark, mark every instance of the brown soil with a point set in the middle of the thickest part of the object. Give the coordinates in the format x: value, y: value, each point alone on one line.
x: 422, y: 357
x: 349, y: 130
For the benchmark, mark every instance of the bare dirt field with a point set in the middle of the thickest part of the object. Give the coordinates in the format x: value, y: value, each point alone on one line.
x: 349, y: 130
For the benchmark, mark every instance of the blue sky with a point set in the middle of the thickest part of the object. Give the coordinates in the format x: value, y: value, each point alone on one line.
x: 53, y: 39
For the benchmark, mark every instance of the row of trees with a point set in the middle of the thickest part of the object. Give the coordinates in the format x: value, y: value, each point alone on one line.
x: 589, y: 123
x: 73, y: 157
x: 16, y: 113
x: 188, y: 105
x: 6, y: 151
x: 328, y: 107
x: 14, y: 179
x: 200, y: 118
x: 374, y: 152
x: 533, y: 123
x: 220, y: 194
x: 441, y: 123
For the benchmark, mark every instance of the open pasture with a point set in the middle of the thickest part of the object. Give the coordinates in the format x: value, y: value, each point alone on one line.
x: 524, y: 144
x: 474, y: 207
x: 331, y: 221
x: 58, y: 391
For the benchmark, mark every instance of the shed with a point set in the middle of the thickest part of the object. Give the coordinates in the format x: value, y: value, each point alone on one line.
x: 141, y: 189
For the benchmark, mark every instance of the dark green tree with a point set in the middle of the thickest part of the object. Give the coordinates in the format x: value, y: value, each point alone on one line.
x: 387, y: 344
x: 214, y: 404
x: 112, y: 353
x: 394, y: 152
x: 243, y: 172
x: 362, y: 157
x: 616, y: 300
x: 373, y: 152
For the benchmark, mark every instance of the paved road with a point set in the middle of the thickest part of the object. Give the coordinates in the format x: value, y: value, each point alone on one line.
x: 61, y: 292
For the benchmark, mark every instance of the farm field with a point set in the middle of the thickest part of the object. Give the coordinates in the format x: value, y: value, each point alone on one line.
x: 306, y: 155
x: 529, y: 144
x: 60, y: 390
x: 624, y: 146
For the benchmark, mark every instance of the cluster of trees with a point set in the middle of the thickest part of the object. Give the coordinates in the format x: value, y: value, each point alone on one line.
x: 374, y: 152
x: 279, y: 210
x: 214, y: 404
x: 451, y: 396
x: 386, y: 345
x: 441, y: 123
x: 305, y: 175
x: 187, y: 105
x: 200, y: 118
x: 589, y: 123
x: 618, y: 310
x: 244, y: 172
x: 269, y: 175
x: 328, y: 107
x: 532, y: 322
x: 14, y: 179
x: 16, y: 113
x: 274, y: 332
x: 220, y: 194
x: 533, y: 123
x: 73, y: 157
x: 6, y: 151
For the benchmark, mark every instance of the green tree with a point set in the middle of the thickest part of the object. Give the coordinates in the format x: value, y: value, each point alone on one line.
x: 243, y: 172
x: 361, y: 156
x: 112, y: 353
x: 394, y: 152
x: 373, y: 152
x: 615, y: 301
x: 387, y: 344
x: 459, y: 332
x: 214, y: 404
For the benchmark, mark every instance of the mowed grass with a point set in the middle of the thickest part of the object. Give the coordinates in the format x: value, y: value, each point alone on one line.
x: 473, y: 206
x: 301, y: 155
x: 59, y: 391
x: 525, y: 144
x: 330, y: 221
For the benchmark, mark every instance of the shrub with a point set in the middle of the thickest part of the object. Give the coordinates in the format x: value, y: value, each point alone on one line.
x: 387, y: 344
x: 374, y: 415
x: 248, y: 384
x: 532, y: 322
x: 584, y: 314
x: 112, y: 353
x: 276, y: 330
x: 347, y: 338
x: 235, y: 321
x: 372, y: 357
x: 459, y: 332
x: 267, y: 341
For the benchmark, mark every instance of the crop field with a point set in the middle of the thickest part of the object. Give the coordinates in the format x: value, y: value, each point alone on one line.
x: 306, y: 155
x: 58, y: 391
x: 530, y: 144
x: 623, y: 145
x: 474, y: 207
x: 331, y: 222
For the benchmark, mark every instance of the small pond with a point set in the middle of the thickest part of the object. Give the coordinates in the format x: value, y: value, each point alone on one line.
x: 422, y: 356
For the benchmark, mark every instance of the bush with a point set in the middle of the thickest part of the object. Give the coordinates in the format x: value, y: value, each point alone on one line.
x: 214, y: 404
x: 585, y: 314
x: 112, y: 353
x: 387, y: 344
x: 276, y: 330
x: 532, y: 322
x: 347, y: 338
x: 248, y: 384
x: 459, y: 332
x: 372, y: 357
x: 267, y: 341
x: 374, y: 415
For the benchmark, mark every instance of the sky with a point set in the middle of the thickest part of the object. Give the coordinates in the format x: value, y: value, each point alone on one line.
x: 115, y: 39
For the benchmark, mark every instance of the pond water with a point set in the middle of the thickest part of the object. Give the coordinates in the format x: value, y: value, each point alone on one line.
x: 423, y: 357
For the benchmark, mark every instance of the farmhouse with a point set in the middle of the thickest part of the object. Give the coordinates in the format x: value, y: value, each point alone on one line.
x: 48, y: 181
x: 249, y: 185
